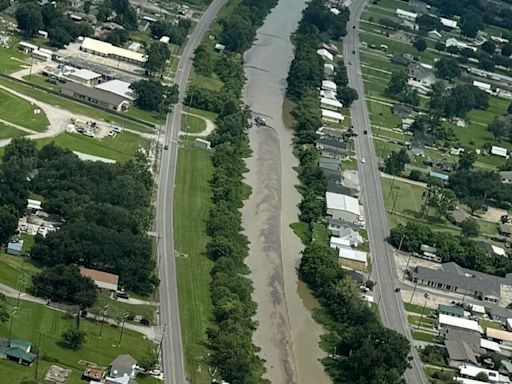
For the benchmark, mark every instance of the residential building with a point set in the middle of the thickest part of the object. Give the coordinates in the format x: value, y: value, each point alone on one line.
x: 460, y: 324
x: 95, y: 96
x: 498, y: 313
x: 352, y: 258
x: 499, y: 335
x: 328, y: 85
x: 448, y: 23
x: 481, y: 85
x: 325, y: 54
x: 328, y: 69
x: 103, y: 280
x: 452, y: 277
x: 402, y: 109
x: 26, y: 47
x: 418, y: 86
x: 459, y: 353
x: 406, y: 124
x: 506, y: 177
x: 337, y: 187
x: 471, y: 372
x: 41, y: 55
x: 419, y: 6
x: 347, y: 233
x: 332, y: 147
x: 417, y: 147
x: 84, y: 76
x: 450, y: 310
x: 421, y: 73
x: 122, y: 370
x: 15, y: 247
x: 499, y: 151
x: 329, y: 116
x: 337, y: 243
x: 477, y: 310
x: 17, y: 350
x: 201, y: 143
x: 343, y: 207
x: 472, y: 339
x: 439, y: 175
x: 330, y: 103
x: 505, y: 229
x: 433, y: 34
x: 453, y: 42
x: 102, y: 48
x: 406, y: 15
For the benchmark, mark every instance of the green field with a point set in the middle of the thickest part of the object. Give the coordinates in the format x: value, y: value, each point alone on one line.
x: 427, y: 337
x: 192, y: 201
x: 149, y: 116
x: 117, y: 308
x: 423, y: 321
x: 120, y: 148
x: 20, y: 112
x: 11, y: 59
x: 41, y: 81
x: 7, y: 132
x: 72, y: 106
x: 205, y: 81
x: 36, y: 322
x: 192, y: 124
x: 15, y: 269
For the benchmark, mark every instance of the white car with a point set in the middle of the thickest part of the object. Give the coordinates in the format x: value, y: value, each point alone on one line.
x: 363, y: 160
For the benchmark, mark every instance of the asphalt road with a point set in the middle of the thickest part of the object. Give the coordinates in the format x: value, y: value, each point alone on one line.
x: 173, y: 365
x: 384, y: 272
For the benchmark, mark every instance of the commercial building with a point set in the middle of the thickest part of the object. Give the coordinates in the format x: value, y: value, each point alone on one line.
x: 406, y: 15
x: 352, y: 258
x: 102, y: 280
x: 17, y: 350
x: 452, y: 277
x: 343, y: 207
x: 84, y: 76
x: 450, y: 310
x: 102, y: 48
x: 457, y: 323
x: 118, y: 87
x: 95, y: 96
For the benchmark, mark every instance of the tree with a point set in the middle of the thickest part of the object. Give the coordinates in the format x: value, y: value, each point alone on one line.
x: 149, y: 361
x: 471, y: 23
x: 440, y: 46
x: 8, y: 223
x: 395, y: 162
x: 4, y: 313
x: 399, y: 89
x: 467, y: 158
x: 158, y: 53
x: 428, y: 22
x: 488, y: 47
x: 500, y: 128
x: 118, y: 37
x: 482, y: 376
x: 29, y: 18
x: 153, y: 96
x: 87, y: 6
x: 506, y: 50
x: 447, y: 68
x: 340, y: 76
x: 74, y: 338
x: 65, y: 283
x: 347, y: 96
x: 486, y: 64
x: 420, y: 45
x: 470, y: 227
x: 509, y: 109
x: 311, y: 208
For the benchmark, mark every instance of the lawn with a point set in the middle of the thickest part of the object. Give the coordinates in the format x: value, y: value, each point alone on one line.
x: 192, y: 124
x: 302, y: 231
x: 424, y: 321
x: 192, y: 202
x: 120, y: 148
x: 381, y: 114
x: 490, y: 324
x: 116, y: 308
x: 206, y: 81
x: 72, y: 106
x: 11, y: 60
x: 417, y: 309
x: 427, y: 337
x: 41, y: 81
x: 43, y: 327
x: 151, y: 117
x: 206, y: 114
x: 7, y: 132
x: 20, y: 112
x: 16, y: 271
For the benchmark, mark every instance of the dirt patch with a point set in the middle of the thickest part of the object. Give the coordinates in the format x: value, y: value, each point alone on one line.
x: 493, y: 214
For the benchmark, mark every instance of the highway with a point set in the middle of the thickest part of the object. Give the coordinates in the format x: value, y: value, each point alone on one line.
x: 172, y: 357
x: 384, y: 272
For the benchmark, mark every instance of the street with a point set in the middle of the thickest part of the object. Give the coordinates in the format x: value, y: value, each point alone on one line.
x: 173, y: 365
x: 384, y: 272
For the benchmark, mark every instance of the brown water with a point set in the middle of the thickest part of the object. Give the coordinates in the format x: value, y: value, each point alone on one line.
x: 287, y: 334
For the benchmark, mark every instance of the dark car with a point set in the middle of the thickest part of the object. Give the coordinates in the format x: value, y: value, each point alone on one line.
x: 365, y: 132
x: 353, y: 52
x: 397, y: 289
x: 123, y: 295
x: 166, y: 147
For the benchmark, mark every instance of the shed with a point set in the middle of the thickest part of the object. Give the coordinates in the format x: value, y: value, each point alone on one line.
x: 165, y: 39
x: 499, y: 151
x: 15, y: 247
x: 450, y: 310
x: 352, y: 258
x: 102, y: 280
x: 438, y: 175
x: 220, y: 47
x: 202, y: 143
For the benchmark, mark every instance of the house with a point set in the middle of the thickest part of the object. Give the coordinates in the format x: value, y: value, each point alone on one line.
x: 102, y: 280
x: 17, y: 350
x: 438, y: 175
x: 337, y: 187
x: 452, y: 277
x: 450, y: 310
x: 472, y: 339
x: 422, y: 74
x: 34, y: 205
x: 325, y: 54
x: 201, y: 143
x: 332, y: 147
x: 84, y: 76
x: 400, y: 60
x: 337, y: 243
x: 406, y: 123
x: 26, y: 47
x: 499, y: 335
x: 486, y: 87
x: 453, y: 42
x: 347, y: 233
x: 352, y: 258
x: 402, y: 109
x: 448, y: 23
x: 459, y: 353
x: 498, y: 313
x: 97, y: 96
x: 331, y: 104
x: 477, y: 310
x: 329, y: 116
x: 419, y: 6
x: 15, y: 247
x: 452, y: 322
x: 506, y: 177
x: 122, y: 370
x: 343, y: 207
x: 406, y: 15
x: 329, y: 164
x: 220, y: 47
x: 505, y: 229
x: 102, y: 48
x: 328, y: 85
x: 433, y: 34
x: 417, y: 147
x: 490, y: 345
x: 418, y: 86
x: 499, y: 151
x: 41, y: 55
x: 329, y: 68
x: 471, y: 372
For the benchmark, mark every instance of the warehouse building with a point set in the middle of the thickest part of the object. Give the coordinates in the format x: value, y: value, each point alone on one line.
x: 102, y: 48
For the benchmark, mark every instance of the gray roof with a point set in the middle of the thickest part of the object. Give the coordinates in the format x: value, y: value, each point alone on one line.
x: 122, y: 364
x: 93, y: 93
x: 497, y: 312
x: 459, y: 350
x: 471, y: 281
x: 328, y: 163
x: 331, y: 142
x: 505, y: 228
x: 506, y: 175
x: 332, y: 176
x: 402, y: 109
x: 336, y: 187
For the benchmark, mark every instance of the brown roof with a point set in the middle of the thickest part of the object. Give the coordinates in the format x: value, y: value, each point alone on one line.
x: 499, y: 334
x: 95, y: 275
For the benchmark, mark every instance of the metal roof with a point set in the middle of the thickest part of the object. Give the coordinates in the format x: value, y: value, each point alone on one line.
x: 108, y: 49
x: 459, y: 350
x: 342, y: 203
x: 118, y: 87
x: 93, y: 93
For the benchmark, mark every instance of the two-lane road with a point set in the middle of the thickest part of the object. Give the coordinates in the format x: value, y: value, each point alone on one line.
x: 173, y: 365
x: 384, y: 271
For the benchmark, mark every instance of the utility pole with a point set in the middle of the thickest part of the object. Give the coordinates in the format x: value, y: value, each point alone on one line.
x: 103, y: 318
x: 125, y: 315
x: 394, y: 202
x: 392, y: 184
x: 161, y: 340
x: 422, y: 312
x: 414, y: 290
x: 20, y: 284
x: 38, y: 354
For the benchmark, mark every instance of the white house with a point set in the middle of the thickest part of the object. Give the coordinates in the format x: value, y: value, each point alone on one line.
x: 329, y: 85
x: 325, y: 54
x: 411, y: 16
x: 343, y: 207
x: 352, y: 258
x: 329, y: 116
x: 499, y: 151
x: 433, y: 34
x: 453, y: 42
x: 328, y: 103
x: 422, y: 89
x: 481, y: 85
x: 335, y: 11
x: 102, y: 280
x: 448, y: 23
x: 337, y: 242
x: 471, y: 371
x: 329, y: 68
x: 452, y: 322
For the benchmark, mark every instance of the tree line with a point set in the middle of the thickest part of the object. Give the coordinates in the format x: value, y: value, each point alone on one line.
x: 362, y: 350
x: 105, y: 211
